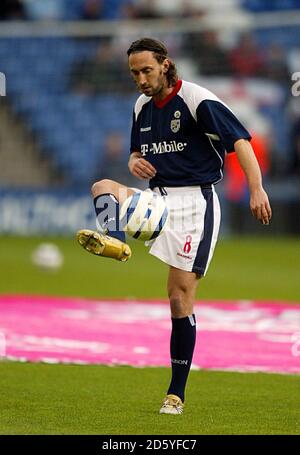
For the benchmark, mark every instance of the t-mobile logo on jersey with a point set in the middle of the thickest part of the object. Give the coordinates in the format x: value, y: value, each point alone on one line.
x: 163, y: 147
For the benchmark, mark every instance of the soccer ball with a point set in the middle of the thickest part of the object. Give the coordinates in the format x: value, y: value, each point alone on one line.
x: 47, y: 256
x: 144, y: 215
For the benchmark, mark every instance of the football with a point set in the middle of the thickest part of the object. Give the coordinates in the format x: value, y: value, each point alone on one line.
x: 144, y: 215
x: 47, y: 256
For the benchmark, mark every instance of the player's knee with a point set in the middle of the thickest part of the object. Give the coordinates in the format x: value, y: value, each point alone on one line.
x: 181, y: 299
x: 177, y: 308
x: 178, y: 304
x: 103, y: 186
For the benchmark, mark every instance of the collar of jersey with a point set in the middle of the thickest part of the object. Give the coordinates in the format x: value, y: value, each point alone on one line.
x: 174, y: 92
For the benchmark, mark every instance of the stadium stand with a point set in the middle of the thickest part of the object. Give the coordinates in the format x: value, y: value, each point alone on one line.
x: 258, y: 6
x: 70, y: 127
x: 65, y: 122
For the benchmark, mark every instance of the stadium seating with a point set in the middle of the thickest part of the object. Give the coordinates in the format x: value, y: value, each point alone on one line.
x: 70, y: 9
x: 267, y: 5
x: 70, y: 127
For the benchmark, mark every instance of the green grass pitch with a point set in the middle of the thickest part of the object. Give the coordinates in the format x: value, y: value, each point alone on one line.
x: 72, y: 399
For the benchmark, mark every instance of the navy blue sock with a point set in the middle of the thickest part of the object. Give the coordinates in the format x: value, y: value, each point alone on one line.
x: 183, y: 338
x: 107, y: 212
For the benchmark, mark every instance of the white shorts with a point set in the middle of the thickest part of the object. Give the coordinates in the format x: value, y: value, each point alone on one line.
x: 189, y: 239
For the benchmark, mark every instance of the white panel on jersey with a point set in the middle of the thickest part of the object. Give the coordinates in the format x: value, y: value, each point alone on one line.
x: 141, y: 101
x: 193, y: 94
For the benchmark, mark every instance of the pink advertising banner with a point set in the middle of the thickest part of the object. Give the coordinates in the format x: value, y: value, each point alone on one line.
x: 231, y: 335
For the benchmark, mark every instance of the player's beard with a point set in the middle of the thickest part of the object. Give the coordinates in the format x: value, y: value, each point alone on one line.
x: 155, y: 91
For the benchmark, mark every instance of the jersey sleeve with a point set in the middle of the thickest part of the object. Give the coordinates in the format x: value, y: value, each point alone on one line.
x: 217, y: 119
x: 135, y: 135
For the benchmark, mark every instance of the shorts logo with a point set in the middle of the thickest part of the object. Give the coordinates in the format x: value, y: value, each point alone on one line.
x: 175, y: 125
x: 187, y: 246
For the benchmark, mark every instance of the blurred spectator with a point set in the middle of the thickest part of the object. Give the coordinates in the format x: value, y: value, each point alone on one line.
x: 12, y: 10
x: 105, y: 72
x: 175, y: 8
x: 146, y: 10
x: 189, y: 9
x: 114, y: 163
x: 207, y: 54
x: 92, y: 9
x: 276, y: 66
x: 151, y: 9
x: 236, y: 189
x: 128, y: 11
x: 235, y: 180
x: 44, y: 10
x: 295, y: 145
x: 245, y: 59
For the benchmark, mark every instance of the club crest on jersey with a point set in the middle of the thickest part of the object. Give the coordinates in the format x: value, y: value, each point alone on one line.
x: 175, y: 125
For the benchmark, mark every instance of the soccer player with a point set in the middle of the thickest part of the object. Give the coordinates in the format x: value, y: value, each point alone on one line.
x: 180, y: 133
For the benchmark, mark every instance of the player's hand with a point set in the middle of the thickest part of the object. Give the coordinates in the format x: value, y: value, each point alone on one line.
x: 260, y: 206
x: 141, y: 168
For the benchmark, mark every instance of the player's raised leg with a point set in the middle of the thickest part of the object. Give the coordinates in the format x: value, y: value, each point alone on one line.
x: 182, y: 287
x: 109, y: 240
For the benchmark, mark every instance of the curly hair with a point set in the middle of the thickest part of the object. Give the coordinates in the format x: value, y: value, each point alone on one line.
x: 160, y: 52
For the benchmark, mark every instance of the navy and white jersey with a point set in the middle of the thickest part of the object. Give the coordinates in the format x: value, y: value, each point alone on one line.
x: 185, y: 136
